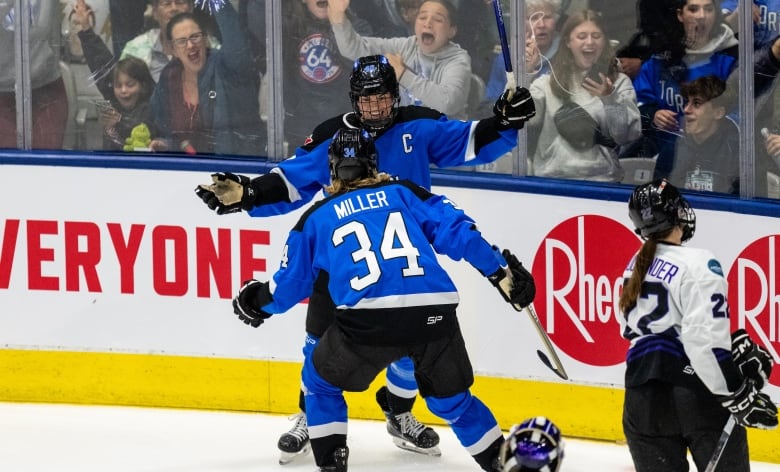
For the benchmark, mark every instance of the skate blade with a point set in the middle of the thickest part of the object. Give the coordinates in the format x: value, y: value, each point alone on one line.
x: 287, y: 457
x: 407, y: 446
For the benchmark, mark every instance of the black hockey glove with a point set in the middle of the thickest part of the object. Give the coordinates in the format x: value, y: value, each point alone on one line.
x: 514, y: 282
x: 246, y: 305
x: 753, y: 361
x: 229, y: 193
x: 750, y: 407
x: 513, y: 111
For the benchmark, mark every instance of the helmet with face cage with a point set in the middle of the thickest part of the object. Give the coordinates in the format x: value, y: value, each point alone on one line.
x: 373, y: 76
x: 657, y: 207
x: 352, y: 155
x: 533, y: 445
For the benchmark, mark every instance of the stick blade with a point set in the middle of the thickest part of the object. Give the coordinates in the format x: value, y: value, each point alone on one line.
x: 546, y: 361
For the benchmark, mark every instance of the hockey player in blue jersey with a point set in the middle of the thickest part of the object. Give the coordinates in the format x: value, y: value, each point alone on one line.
x: 409, y: 140
x: 376, y: 239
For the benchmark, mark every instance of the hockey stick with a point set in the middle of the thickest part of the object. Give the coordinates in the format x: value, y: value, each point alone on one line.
x: 556, y: 366
x: 511, y: 83
x: 722, y: 440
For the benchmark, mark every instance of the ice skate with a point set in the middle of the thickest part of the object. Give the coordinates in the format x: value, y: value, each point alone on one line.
x: 338, y: 462
x: 295, y: 442
x: 408, y: 433
x: 411, y: 435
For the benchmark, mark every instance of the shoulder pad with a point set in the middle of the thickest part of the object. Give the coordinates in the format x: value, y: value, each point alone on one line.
x: 414, y: 112
x: 324, y: 131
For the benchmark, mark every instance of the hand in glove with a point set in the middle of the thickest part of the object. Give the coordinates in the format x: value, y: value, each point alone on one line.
x: 229, y: 193
x: 246, y: 305
x: 753, y: 361
x: 750, y: 407
x: 513, y: 108
x: 514, y: 282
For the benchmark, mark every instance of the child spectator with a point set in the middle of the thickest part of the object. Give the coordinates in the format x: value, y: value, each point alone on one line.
x: 127, y: 85
x: 431, y: 69
x: 707, y: 154
x: 710, y: 49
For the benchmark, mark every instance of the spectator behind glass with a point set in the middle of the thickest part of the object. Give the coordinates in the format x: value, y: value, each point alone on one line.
x: 431, y: 69
x: 151, y: 46
x: 127, y: 85
x: 585, y: 107
x: 765, y: 19
x: 710, y: 49
x: 541, y: 45
x: 707, y: 154
x: 315, y: 73
x: 49, y: 101
x: 206, y: 99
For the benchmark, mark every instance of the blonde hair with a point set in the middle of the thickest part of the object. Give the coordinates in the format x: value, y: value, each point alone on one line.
x: 338, y: 186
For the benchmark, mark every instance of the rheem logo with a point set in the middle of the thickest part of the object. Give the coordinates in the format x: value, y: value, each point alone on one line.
x: 754, y: 295
x: 579, y: 276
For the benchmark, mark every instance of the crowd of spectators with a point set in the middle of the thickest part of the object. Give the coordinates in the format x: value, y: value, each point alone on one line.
x: 612, y: 79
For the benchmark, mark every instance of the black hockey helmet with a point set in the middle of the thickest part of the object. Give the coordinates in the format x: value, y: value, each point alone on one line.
x: 657, y: 207
x: 373, y: 75
x: 352, y: 155
x: 533, y: 445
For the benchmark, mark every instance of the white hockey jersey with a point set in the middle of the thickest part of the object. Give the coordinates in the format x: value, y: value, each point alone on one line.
x: 680, y: 323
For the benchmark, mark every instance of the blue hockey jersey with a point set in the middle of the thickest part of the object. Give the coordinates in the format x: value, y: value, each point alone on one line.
x: 658, y: 88
x: 767, y: 28
x: 419, y: 137
x: 378, y: 244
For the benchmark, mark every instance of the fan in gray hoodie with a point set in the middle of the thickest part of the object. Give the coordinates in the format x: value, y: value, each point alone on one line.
x: 431, y: 70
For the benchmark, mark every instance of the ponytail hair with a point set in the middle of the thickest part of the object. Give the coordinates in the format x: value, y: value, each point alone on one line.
x: 633, y: 288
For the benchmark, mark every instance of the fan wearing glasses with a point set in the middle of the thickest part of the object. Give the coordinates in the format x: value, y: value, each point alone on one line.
x: 150, y: 46
x: 206, y: 99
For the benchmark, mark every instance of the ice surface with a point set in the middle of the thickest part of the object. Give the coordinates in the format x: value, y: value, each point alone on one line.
x: 63, y: 438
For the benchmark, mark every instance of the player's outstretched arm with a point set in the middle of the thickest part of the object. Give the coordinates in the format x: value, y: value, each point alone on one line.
x: 231, y: 193
x: 226, y: 192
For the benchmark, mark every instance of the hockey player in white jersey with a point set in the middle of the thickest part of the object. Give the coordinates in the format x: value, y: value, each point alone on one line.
x: 682, y: 379
x: 376, y: 239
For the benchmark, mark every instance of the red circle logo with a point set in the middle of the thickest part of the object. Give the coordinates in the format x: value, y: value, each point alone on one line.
x: 754, y: 295
x: 578, y: 269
